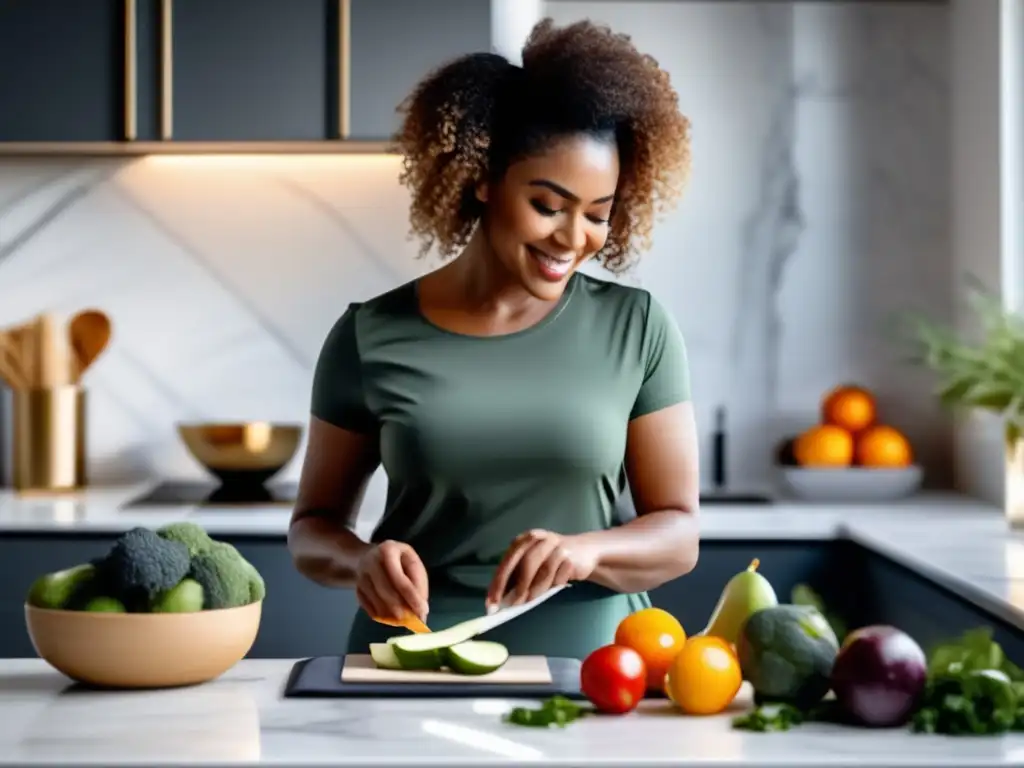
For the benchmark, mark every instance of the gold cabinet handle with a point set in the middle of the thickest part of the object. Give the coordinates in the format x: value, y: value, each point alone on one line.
x: 344, y: 67
x: 130, y: 71
x: 166, y: 69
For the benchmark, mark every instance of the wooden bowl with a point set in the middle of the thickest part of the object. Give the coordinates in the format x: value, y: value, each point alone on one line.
x: 247, y: 453
x: 143, y: 650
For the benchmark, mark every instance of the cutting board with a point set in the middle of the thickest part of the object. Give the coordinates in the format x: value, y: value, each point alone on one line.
x: 518, y: 670
x: 321, y: 677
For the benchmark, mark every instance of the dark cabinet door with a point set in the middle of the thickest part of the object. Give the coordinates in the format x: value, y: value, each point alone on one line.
x: 250, y: 70
x: 394, y: 43
x: 62, y: 70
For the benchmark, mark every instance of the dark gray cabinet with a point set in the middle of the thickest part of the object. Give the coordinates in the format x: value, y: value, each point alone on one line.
x: 222, y: 71
x: 394, y: 43
x: 303, y: 619
x: 62, y: 71
x: 251, y: 70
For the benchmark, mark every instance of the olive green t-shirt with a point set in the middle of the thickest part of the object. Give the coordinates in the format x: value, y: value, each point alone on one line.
x: 484, y: 437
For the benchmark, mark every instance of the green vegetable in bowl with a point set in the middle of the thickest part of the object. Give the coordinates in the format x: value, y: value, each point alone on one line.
x: 140, y: 566
x: 190, y: 534
x: 227, y: 579
x: 186, y: 597
x: 104, y: 605
x: 257, y: 587
x: 57, y: 590
x: 153, y: 571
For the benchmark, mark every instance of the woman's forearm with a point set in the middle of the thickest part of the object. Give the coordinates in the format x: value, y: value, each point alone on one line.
x: 646, y: 552
x: 324, y: 550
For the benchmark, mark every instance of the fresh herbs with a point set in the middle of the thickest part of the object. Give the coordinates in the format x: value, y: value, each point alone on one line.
x: 972, y: 689
x: 557, y: 710
x: 769, y: 717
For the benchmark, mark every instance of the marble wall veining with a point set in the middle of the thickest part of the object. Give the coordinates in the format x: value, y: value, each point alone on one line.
x: 817, y: 206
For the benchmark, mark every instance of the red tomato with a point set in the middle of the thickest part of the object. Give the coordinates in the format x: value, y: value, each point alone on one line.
x: 614, y: 679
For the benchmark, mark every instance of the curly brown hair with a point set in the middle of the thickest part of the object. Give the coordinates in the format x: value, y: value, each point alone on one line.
x: 469, y: 119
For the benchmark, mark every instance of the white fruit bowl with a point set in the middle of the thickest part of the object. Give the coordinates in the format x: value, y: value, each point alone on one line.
x: 851, y: 484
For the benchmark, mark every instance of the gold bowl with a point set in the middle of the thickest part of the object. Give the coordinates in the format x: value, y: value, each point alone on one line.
x: 244, y: 453
x: 143, y: 650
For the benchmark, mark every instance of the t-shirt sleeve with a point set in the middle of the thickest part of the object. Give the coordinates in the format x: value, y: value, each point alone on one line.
x: 338, y: 394
x: 666, y: 379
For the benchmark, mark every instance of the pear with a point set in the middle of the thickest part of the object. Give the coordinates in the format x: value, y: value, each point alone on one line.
x: 746, y: 593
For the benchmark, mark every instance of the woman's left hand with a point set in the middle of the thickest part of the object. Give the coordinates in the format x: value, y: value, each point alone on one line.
x: 537, y: 561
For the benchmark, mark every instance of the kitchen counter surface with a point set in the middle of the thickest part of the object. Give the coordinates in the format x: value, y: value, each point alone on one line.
x: 956, y: 541
x: 242, y: 719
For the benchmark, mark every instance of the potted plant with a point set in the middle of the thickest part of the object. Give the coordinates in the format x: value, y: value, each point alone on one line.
x: 983, y: 370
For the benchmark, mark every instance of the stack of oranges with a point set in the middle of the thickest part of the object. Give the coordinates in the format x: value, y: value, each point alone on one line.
x: 850, y: 434
x: 701, y: 675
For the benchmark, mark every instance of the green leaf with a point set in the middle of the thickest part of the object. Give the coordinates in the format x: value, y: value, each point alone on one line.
x: 990, y: 395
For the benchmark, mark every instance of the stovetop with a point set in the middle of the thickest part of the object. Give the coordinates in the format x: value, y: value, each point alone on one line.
x: 176, y: 493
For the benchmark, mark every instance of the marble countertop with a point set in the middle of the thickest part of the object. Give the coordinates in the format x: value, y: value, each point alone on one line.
x: 242, y: 719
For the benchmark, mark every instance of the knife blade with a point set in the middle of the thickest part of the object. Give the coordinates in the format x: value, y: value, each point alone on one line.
x: 507, y: 613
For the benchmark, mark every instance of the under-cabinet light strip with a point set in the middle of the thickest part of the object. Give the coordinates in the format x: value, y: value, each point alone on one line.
x: 344, y: 67
x: 130, y: 72
x: 166, y: 69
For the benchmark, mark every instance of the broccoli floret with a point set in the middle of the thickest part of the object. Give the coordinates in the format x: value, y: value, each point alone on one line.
x: 190, y: 534
x: 257, y: 587
x: 140, y: 566
x: 224, y: 575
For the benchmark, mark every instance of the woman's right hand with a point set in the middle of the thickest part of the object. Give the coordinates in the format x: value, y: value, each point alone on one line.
x: 391, y: 580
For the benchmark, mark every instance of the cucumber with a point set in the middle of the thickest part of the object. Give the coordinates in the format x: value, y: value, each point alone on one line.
x: 383, y: 656
x: 428, y: 649
x: 476, y: 657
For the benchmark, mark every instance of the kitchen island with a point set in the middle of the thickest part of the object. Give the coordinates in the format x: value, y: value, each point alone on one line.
x: 934, y: 564
x: 241, y: 718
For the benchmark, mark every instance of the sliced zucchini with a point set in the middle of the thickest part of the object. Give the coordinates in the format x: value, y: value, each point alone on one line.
x: 428, y: 650
x: 476, y: 657
x: 383, y: 656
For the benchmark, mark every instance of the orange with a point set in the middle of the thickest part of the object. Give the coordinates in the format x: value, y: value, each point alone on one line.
x: 705, y: 677
x: 848, y: 406
x: 657, y: 636
x: 824, y: 445
x: 884, y: 446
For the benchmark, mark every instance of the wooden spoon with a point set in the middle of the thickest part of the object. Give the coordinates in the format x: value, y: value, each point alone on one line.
x: 10, y: 365
x: 88, y: 334
x: 21, y: 347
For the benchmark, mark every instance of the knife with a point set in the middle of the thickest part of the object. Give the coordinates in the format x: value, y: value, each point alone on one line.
x: 506, y: 613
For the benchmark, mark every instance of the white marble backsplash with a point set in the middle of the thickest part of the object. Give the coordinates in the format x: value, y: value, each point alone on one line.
x: 818, y: 206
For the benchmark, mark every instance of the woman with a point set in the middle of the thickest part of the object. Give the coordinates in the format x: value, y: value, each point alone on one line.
x: 509, y: 397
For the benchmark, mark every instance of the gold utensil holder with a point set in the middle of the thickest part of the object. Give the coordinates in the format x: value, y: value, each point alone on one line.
x: 48, y: 443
